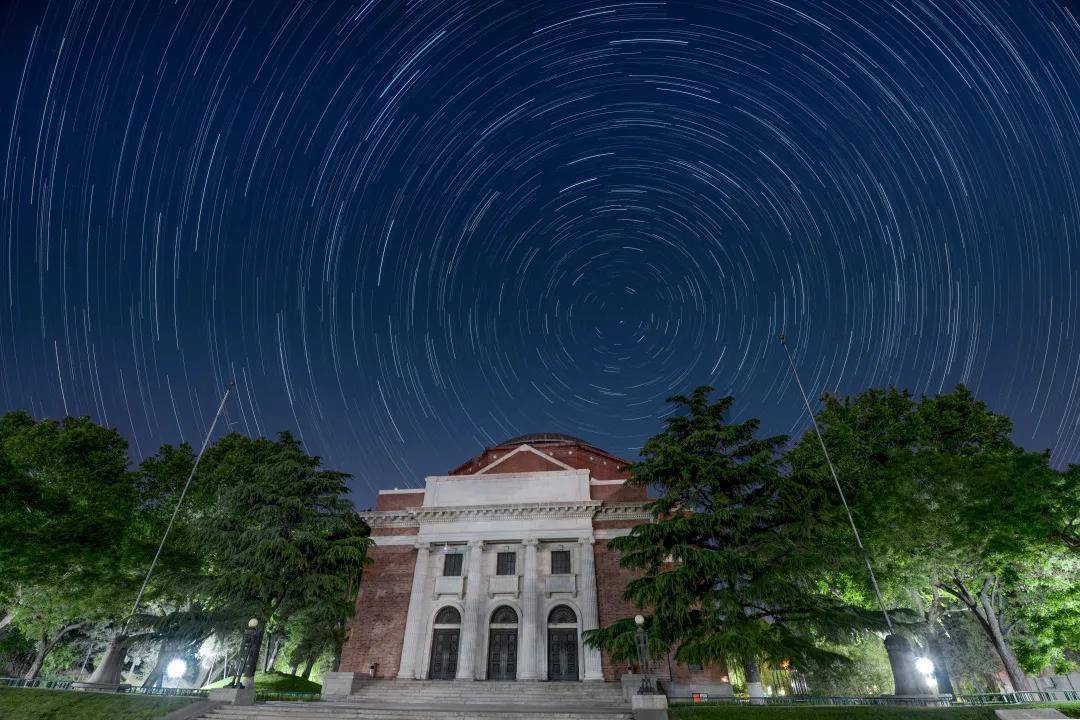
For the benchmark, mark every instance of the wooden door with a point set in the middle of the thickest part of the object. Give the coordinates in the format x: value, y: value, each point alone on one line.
x: 562, y: 654
x: 444, y: 652
x: 502, y: 655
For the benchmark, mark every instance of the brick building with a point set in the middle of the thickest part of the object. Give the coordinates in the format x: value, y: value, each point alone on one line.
x: 492, y: 571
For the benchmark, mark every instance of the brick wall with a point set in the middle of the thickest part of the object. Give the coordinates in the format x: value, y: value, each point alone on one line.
x: 377, y: 630
x: 618, y: 493
x: 611, y: 581
x: 399, y: 501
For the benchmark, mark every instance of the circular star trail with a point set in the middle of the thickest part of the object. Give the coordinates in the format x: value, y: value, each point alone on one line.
x: 407, y: 229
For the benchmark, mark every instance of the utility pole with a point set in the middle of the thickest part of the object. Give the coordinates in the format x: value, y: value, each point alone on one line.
x: 906, y: 678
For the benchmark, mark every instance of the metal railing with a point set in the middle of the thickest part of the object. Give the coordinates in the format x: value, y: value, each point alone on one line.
x: 294, y: 695
x: 1001, y: 698
x: 65, y: 684
x: 164, y: 691
x: 47, y: 683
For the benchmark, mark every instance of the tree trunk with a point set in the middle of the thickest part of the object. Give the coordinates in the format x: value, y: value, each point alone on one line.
x: 45, y: 646
x: 110, y: 671
x: 156, y: 678
x: 9, y: 613
x: 992, y: 624
x: 932, y: 636
x: 294, y: 667
x: 269, y: 650
x: 273, y: 649
x: 308, y: 668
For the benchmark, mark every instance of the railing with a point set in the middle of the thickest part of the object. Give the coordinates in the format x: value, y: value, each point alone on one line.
x: 164, y: 691
x: 286, y: 695
x: 48, y: 683
x: 1003, y: 698
x: 63, y: 684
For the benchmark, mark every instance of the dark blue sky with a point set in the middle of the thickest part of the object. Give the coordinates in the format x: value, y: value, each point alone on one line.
x: 409, y: 229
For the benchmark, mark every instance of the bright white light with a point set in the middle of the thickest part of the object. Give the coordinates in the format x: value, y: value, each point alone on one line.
x: 176, y: 668
x: 924, y: 665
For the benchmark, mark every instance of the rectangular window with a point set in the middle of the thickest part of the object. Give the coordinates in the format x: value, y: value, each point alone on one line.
x: 507, y: 564
x: 451, y: 565
x: 560, y: 562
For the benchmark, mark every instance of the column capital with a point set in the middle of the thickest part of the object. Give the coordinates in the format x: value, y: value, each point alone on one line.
x: 423, y: 545
x: 476, y: 543
x: 530, y: 542
x: 587, y: 540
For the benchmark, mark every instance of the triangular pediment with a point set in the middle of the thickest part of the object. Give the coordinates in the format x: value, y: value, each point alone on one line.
x: 524, y: 458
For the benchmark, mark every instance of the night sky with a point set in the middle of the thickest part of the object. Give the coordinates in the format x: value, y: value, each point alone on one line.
x: 411, y: 229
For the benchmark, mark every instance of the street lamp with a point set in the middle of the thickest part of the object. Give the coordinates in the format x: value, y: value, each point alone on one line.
x: 245, y: 655
x: 643, y: 657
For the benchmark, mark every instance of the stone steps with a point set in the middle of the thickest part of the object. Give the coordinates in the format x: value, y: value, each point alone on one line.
x: 446, y: 711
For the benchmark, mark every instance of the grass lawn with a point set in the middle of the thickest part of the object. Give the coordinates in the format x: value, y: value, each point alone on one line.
x: 276, y: 682
x: 865, y: 712
x: 30, y: 704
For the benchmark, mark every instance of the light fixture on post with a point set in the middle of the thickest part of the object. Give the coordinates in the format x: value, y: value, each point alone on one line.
x: 643, y: 657
x: 176, y: 669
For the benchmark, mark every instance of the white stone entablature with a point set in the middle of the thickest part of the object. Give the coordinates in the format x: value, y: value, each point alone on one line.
x: 501, y: 488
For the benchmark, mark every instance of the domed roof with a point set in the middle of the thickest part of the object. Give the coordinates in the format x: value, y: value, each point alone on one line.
x: 542, y: 438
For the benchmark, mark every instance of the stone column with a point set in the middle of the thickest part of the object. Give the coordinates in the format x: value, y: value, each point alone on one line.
x: 529, y: 645
x: 592, y: 668
x: 414, y: 620
x: 470, y: 622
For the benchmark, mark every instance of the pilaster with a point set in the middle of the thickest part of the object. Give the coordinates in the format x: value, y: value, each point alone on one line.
x: 470, y: 623
x: 591, y: 668
x: 415, y: 619
x: 529, y: 646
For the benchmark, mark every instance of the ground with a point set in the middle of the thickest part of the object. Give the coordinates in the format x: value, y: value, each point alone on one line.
x: 277, y: 682
x: 742, y: 712
x: 25, y: 704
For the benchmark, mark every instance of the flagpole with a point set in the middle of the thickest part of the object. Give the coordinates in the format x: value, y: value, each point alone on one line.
x: 176, y: 510
x: 839, y: 489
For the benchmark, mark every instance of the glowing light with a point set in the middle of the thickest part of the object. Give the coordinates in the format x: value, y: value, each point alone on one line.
x: 176, y: 668
x: 924, y: 665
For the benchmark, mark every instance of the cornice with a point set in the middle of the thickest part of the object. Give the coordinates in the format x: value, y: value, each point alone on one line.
x: 411, y: 517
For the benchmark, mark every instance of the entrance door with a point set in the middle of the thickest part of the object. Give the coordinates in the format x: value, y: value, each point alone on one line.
x: 502, y: 655
x: 444, y: 652
x: 562, y: 654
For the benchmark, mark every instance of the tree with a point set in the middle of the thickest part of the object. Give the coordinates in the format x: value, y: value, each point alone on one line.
x: 280, y: 536
x: 948, y: 505
x: 730, y: 569
x: 66, y: 535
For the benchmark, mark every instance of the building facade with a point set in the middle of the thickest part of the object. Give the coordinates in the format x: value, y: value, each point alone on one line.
x: 493, y: 571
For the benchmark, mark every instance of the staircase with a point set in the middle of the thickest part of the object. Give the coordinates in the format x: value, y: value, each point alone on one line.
x: 450, y: 700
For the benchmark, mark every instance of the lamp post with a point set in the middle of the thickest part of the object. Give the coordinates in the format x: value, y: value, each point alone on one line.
x: 643, y: 657
x: 247, y: 649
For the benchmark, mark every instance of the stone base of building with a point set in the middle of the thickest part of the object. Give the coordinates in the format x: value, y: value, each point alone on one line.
x: 649, y: 707
x: 341, y: 684
x: 688, y: 690
x: 234, y: 696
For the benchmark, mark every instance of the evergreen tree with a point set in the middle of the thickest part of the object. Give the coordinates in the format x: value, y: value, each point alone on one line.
x: 729, y: 569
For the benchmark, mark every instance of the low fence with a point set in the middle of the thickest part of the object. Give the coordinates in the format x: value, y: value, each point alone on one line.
x: 63, y: 684
x: 1002, y: 698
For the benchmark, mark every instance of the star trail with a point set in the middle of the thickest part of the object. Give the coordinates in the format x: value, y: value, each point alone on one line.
x: 408, y: 229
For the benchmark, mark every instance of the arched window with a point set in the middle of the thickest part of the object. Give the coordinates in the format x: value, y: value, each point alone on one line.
x: 504, y: 616
x: 448, y: 616
x: 562, y: 615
